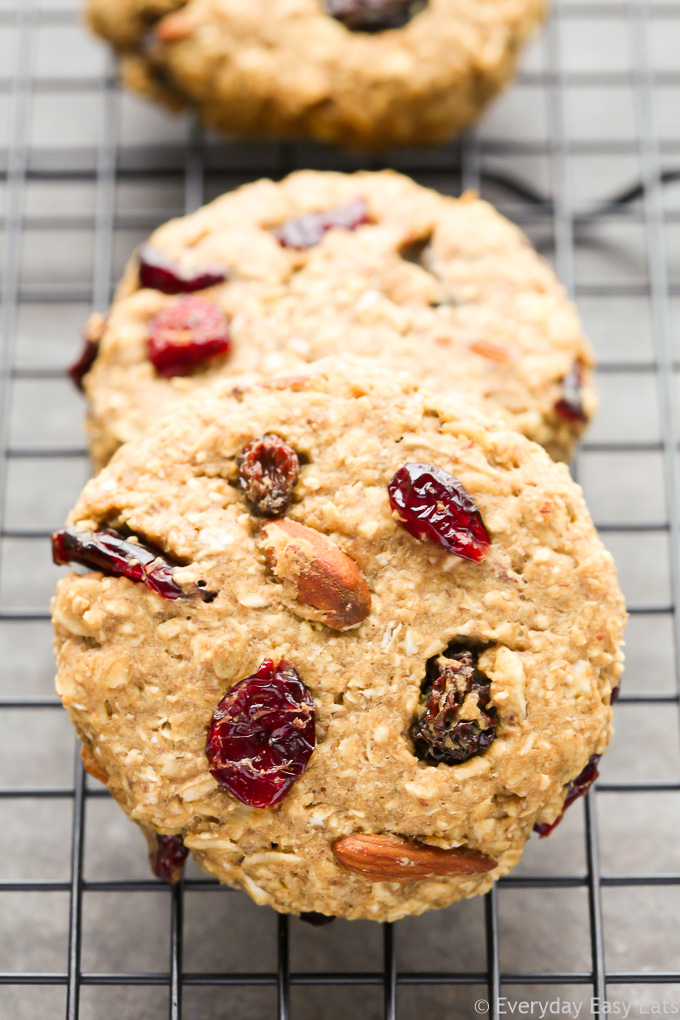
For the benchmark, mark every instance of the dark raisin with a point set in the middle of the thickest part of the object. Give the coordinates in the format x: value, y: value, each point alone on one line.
x: 261, y: 735
x: 305, y: 231
x: 432, y: 504
x: 575, y: 789
x: 570, y: 404
x: 79, y: 369
x: 416, y: 250
x: 167, y: 856
x: 159, y: 272
x: 187, y: 334
x: 110, y: 552
x: 268, y: 470
x: 374, y: 15
x: 614, y: 696
x: 315, y: 919
x: 439, y: 734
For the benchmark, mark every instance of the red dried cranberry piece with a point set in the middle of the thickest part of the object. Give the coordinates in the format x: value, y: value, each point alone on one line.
x: 168, y: 857
x: 108, y: 551
x: 187, y: 334
x: 79, y: 369
x: 439, y: 734
x: 268, y: 470
x: 584, y: 780
x: 575, y: 789
x: 261, y: 735
x: 315, y: 919
x: 305, y: 231
x: 570, y: 404
x: 159, y: 272
x: 433, y: 504
x: 614, y: 696
x: 373, y: 15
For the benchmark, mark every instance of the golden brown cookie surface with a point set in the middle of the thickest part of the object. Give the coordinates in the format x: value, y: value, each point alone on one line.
x: 297, y: 67
x: 531, y: 623
x: 444, y: 289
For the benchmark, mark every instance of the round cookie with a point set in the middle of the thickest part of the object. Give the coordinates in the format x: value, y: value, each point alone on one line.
x: 446, y: 289
x: 291, y: 68
x: 387, y: 806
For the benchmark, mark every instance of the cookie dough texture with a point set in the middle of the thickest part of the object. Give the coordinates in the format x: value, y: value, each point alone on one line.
x: 445, y: 289
x: 287, y: 68
x: 141, y: 676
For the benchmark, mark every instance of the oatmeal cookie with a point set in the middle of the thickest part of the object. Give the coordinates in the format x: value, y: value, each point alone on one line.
x: 346, y: 641
x: 363, y: 73
x: 274, y: 275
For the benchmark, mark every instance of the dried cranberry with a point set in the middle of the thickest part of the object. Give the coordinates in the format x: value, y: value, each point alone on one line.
x: 159, y: 272
x: 84, y: 363
x: 261, y: 735
x: 433, y: 504
x: 439, y: 734
x: 315, y: 919
x: 575, y: 789
x: 167, y: 858
x: 305, y: 231
x: 614, y: 696
x: 373, y: 15
x: 187, y: 334
x: 110, y: 552
x: 268, y: 469
x: 570, y: 404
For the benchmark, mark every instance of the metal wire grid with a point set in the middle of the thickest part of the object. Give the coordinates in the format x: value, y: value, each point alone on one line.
x: 105, y: 165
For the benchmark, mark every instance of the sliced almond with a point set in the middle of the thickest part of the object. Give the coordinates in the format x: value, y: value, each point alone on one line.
x: 325, y: 582
x: 92, y: 766
x: 389, y: 859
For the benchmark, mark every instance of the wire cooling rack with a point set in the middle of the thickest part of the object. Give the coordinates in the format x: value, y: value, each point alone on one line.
x: 591, y: 913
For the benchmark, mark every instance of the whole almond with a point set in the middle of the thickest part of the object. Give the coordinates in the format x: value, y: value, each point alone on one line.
x: 174, y: 27
x: 91, y: 764
x: 325, y: 582
x: 389, y: 859
x: 488, y: 349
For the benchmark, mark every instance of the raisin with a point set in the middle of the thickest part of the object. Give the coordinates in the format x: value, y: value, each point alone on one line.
x: 439, y: 734
x: 575, y: 789
x: 167, y: 858
x: 431, y: 503
x: 416, y: 250
x: 315, y: 919
x: 79, y: 369
x: 373, y: 15
x: 159, y: 272
x: 261, y: 735
x: 307, y: 230
x: 570, y: 404
x: 110, y: 552
x: 187, y: 334
x: 268, y: 471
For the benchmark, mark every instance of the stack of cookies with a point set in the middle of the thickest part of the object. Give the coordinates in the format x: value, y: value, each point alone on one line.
x: 347, y: 633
